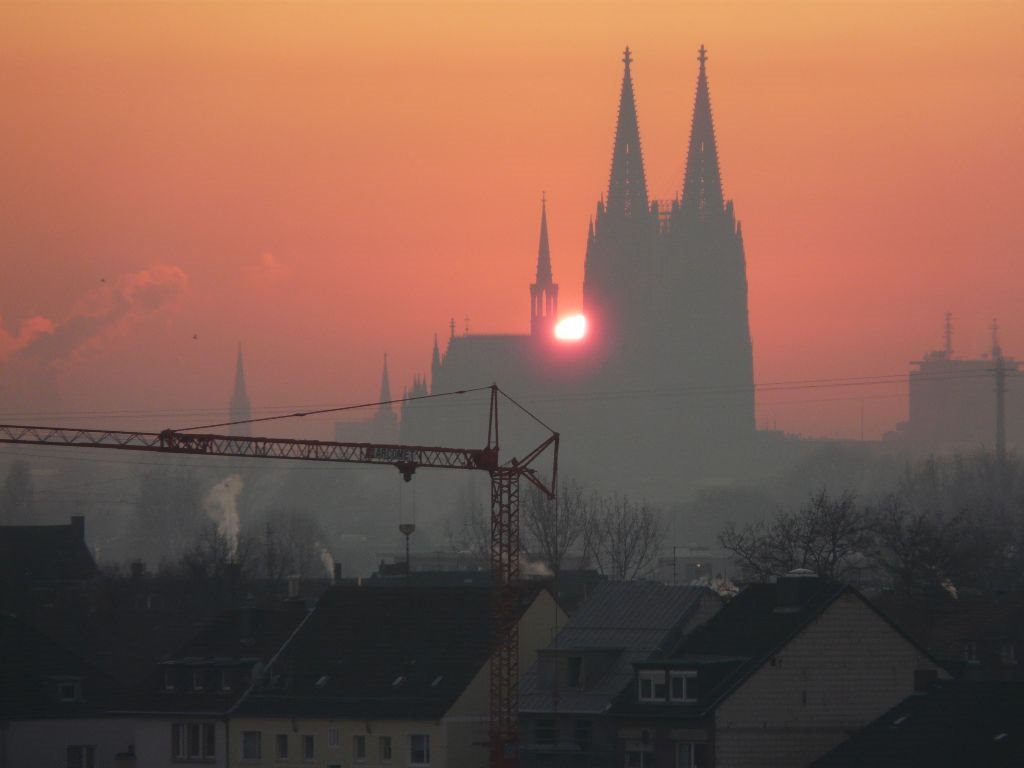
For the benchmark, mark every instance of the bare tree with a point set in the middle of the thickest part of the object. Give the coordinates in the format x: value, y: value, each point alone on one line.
x: 830, y: 535
x: 288, y: 541
x: 468, y: 528
x: 624, y: 537
x: 18, y: 495
x: 554, y: 527
x: 212, y: 553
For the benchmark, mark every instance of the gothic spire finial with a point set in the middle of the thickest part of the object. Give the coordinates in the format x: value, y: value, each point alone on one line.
x: 702, y: 184
x: 627, y: 187
x: 544, y: 249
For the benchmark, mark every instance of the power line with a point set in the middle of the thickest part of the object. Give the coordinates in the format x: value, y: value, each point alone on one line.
x: 579, y: 395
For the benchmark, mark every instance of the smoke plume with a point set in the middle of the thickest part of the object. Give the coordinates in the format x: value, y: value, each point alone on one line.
x: 220, y: 505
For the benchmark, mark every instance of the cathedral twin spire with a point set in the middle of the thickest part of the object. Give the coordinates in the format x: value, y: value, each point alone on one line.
x: 627, y: 187
x: 702, y: 183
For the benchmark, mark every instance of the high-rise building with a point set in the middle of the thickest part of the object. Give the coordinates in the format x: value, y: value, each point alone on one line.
x: 659, y: 394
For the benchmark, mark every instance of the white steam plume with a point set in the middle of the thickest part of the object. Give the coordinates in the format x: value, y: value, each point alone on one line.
x: 221, y: 507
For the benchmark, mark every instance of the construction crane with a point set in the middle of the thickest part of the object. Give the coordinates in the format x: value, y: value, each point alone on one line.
x: 505, y: 486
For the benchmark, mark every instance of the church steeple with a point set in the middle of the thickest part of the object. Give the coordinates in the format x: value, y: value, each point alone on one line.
x: 544, y: 292
x: 627, y: 188
x: 544, y: 249
x: 702, y: 184
x: 435, y: 364
x: 385, y: 388
x: 241, y: 409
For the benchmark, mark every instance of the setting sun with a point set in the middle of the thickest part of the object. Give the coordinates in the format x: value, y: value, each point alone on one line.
x: 572, y: 328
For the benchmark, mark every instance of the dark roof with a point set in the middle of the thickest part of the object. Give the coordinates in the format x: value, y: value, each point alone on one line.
x: 32, y: 554
x: 944, y: 626
x: 32, y: 665
x: 955, y: 724
x: 737, y: 640
x: 239, y: 641
x: 634, y: 620
x: 386, y: 652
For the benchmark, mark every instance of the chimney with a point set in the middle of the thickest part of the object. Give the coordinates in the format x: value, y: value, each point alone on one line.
x: 78, y: 526
x: 793, y: 589
x: 245, y: 623
x: 337, y: 573
x: 293, y: 586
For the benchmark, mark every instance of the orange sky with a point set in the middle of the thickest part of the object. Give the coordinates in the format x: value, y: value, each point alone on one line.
x: 329, y: 181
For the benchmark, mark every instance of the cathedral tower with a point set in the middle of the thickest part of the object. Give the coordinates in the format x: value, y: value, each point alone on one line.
x: 544, y: 292
x: 240, y: 409
x: 704, y: 308
x: 619, y: 243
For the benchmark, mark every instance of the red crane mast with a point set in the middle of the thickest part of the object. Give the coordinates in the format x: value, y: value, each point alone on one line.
x: 505, y: 485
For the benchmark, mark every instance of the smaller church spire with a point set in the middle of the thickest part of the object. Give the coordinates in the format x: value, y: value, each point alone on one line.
x: 544, y: 292
x: 544, y: 249
x: 240, y: 409
x: 385, y: 387
x: 435, y: 365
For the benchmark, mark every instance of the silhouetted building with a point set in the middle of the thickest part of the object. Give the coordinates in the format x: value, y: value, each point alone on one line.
x: 666, y: 365
x: 41, y: 563
x: 241, y: 409
x: 382, y: 427
x: 953, y: 401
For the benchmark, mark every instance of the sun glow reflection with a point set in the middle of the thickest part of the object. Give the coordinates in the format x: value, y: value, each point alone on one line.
x: 572, y: 328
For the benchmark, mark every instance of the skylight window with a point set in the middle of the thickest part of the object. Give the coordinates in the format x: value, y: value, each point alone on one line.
x: 398, y: 681
x: 436, y: 681
x: 321, y: 682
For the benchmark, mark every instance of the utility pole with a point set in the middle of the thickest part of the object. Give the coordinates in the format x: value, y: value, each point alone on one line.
x: 1000, y: 372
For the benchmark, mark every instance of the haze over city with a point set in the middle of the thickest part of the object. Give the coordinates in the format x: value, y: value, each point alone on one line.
x: 325, y: 183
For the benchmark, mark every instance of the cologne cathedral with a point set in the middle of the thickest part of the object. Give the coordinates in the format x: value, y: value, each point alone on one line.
x: 658, y: 398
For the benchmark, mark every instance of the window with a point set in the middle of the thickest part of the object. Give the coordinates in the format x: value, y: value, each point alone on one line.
x: 169, y: 675
x: 1008, y: 654
x: 225, y: 679
x: 652, y: 685
x: 971, y: 653
x: 419, y: 749
x: 575, y: 672
x: 544, y: 731
x: 308, y: 747
x: 193, y: 742
x: 198, y: 679
x: 359, y: 747
x: 691, y: 754
x: 384, y: 748
x: 683, y: 686
x: 333, y: 738
x: 639, y: 754
x: 68, y: 690
x: 583, y: 734
x: 82, y: 756
x: 281, y: 746
x: 252, y: 747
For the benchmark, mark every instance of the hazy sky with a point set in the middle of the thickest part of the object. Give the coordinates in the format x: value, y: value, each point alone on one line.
x: 326, y: 182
